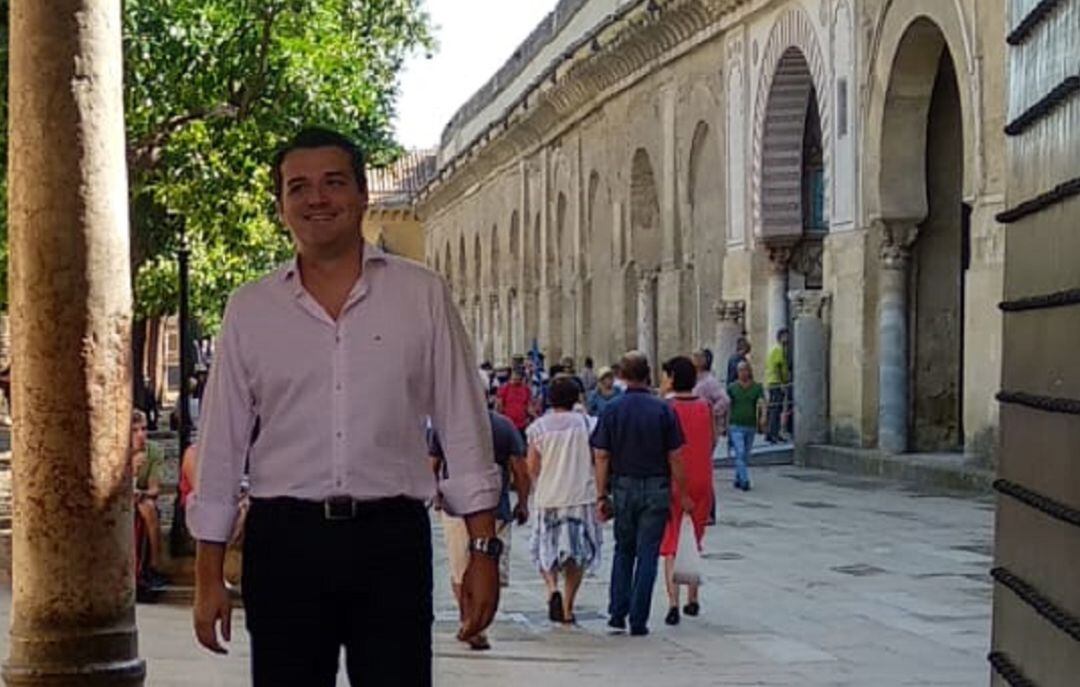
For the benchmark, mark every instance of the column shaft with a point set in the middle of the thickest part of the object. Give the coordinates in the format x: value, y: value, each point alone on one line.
x: 893, y: 378
x: 811, y: 379
x: 646, y: 330
x: 779, y: 257
x: 73, y: 610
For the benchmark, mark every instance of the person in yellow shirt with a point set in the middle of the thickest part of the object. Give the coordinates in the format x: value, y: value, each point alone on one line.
x: 778, y: 380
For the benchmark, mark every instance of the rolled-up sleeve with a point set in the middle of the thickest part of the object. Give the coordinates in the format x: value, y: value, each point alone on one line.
x: 460, y: 416
x: 226, y: 423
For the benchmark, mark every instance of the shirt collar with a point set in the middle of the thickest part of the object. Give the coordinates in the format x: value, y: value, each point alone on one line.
x: 638, y: 390
x: 290, y: 272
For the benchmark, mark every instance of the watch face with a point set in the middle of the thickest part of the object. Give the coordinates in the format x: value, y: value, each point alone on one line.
x: 491, y: 547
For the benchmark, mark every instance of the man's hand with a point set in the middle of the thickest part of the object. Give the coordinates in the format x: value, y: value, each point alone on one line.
x: 687, y: 504
x: 604, y: 510
x: 479, y: 595
x: 521, y: 513
x: 212, y: 603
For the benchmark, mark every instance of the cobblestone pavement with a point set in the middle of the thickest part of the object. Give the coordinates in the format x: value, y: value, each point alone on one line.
x: 813, y: 578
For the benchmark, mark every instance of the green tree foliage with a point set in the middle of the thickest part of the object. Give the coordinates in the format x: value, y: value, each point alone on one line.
x: 212, y: 87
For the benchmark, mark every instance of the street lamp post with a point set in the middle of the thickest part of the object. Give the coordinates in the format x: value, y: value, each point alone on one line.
x: 184, y: 416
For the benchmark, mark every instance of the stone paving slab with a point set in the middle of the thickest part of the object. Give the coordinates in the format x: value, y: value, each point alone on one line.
x: 883, y: 586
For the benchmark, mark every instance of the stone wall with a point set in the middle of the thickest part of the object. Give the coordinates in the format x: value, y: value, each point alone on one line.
x: 1037, y: 550
x: 657, y: 148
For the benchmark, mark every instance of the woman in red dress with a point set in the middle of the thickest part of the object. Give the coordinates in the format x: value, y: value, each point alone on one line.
x: 696, y: 421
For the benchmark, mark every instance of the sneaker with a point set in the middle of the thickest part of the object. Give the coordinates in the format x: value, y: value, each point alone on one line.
x: 616, y: 623
x: 672, y: 617
x: 639, y: 631
x: 692, y: 609
x: 155, y: 580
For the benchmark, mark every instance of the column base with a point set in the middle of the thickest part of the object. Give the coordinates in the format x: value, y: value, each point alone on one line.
x: 88, y: 659
x: 131, y: 673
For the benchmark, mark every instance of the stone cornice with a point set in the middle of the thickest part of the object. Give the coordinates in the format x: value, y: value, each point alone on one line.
x: 618, y: 47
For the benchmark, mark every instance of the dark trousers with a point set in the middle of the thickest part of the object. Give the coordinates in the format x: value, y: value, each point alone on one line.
x: 642, y: 506
x: 312, y: 586
x: 776, y: 410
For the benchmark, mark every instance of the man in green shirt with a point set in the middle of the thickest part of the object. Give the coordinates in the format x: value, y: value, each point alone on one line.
x: 778, y: 380
x: 747, y: 412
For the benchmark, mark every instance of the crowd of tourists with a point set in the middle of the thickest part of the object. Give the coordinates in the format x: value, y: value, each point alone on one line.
x: 579, y: 448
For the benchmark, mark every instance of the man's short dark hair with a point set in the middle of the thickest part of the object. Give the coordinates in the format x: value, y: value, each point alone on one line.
x: 682, y: 372
x: 318, y: 137
x: 563, y: 393
x: 589, y: 362
x: 635, y: 367
x: 783, y: 331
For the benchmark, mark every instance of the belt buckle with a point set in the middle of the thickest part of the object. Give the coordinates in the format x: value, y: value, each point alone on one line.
x: 339, y: 508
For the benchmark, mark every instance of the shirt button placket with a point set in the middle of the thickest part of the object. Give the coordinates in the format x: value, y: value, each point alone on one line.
x: 337, y: 403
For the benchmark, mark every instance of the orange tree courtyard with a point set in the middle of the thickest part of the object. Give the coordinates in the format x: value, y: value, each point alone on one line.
x: 211, y: 88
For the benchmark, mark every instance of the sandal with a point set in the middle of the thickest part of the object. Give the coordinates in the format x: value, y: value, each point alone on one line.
x: 672, y: 616
x: 555, y: 609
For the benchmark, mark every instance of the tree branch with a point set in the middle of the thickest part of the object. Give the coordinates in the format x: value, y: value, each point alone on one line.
x: 146, y: 152
x: 254, y: 87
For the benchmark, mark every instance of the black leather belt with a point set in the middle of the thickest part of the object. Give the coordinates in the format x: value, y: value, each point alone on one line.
x: 337, y: 507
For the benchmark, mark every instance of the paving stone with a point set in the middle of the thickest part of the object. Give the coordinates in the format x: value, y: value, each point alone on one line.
x: 777, y: 609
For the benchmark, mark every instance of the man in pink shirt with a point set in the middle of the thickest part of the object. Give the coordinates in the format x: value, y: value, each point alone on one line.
x: 342, y: 355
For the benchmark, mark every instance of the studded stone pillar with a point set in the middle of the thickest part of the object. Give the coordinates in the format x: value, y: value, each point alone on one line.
x: 730, y: 319
x: 811, y: 375
x: 893, y: 378
x: 73, y: 588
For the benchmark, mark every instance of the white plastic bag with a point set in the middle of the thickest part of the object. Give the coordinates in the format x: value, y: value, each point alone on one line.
x: 687, y: 556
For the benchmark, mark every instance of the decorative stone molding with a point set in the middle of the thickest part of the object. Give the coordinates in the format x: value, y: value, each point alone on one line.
x: 493, y: 299
x: 897, y: 239
x: 779, y: 257
x: 730, y: 311
x: 794, y: 29
x: 646, y: 277
x: 617, y: 48
x: 808, y: 303
x: 808, y: 260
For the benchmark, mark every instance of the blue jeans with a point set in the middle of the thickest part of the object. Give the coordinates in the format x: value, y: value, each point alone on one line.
x: 642, y: 506
x: 742, y: 442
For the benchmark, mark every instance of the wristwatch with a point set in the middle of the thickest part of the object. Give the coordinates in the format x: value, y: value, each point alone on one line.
x: 491, y: 547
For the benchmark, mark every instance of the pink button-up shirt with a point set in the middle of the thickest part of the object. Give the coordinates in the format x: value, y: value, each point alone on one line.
x: 342, y: 405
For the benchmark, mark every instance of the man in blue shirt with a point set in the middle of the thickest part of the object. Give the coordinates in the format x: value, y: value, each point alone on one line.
x: 637, y: 441
x: 510, y: 452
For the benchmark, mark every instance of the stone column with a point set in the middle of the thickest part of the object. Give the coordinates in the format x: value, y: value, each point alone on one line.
x: 730, y: 319
x: 811, y: 374
x: 646, y: 310
x: 73, y: 590
x: 893, y: 378
x: 496, y: 328
x: 779, y: 260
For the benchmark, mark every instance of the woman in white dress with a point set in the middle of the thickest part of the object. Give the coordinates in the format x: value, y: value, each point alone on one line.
x: 566, y: 532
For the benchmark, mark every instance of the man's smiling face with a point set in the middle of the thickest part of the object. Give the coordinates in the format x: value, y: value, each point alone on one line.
x: 321, y: 201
